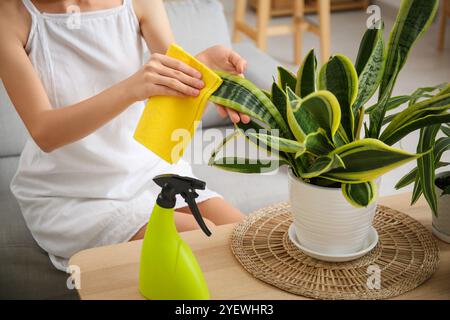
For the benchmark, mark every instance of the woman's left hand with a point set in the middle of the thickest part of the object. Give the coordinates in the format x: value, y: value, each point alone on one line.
x: 225, y: 59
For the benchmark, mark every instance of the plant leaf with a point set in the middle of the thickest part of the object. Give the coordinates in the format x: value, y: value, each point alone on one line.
x: 369, y: 66
x: 244, y: 165
x: 446, y: 129
x: 397, y: 101
x: 367, y: 159
x: 360, y: 194
x: 427, y: 112
x: 286, y: 79
x: 413, y: 19
x: 425, y: 165
x: 243, y: 96
x: 417, y: 191
x: 441, y: 145
x: 425, y: 92
x: 339, y: 77
x: 359, y: 123
x: 410, y: 177
x: 306, y: 76
x: 278, y: 143
x: 377, y: 115
x: 279, y: 100
x: 322, y: 165
x: 319, y: 110
x: 318, y: 144
x: 392, y: 103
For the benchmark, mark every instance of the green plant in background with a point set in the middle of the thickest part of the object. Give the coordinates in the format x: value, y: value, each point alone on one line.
x: 423, y: 175
x: 319, y: 115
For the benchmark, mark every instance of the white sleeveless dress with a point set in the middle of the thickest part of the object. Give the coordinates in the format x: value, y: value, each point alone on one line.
x: 98, y: 190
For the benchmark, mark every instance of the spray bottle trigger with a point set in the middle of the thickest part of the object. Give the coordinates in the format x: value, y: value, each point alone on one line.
x: 189, y: 197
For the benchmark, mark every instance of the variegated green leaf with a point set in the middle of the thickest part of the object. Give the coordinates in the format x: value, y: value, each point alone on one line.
x: 267, y: 93
x: 241, y: 95
x: 322, y: 165
x: 417, y: 191
x: 243, y: 165
x: 377, y: 115
x: 427, y: 112
x: 446, y: 129
x: 339, y: 77
x: 392, y: 103
x: 413, y: 19
x: 279, y: 100
x: 318, y: 144
x: 410, y: 177
x: 360, y: 194
x: 278, y: 143
x: 293, y: 103
x: 426, y: 92
x: 319, y: 110
x: 286, y: 79
x: 369, y: 66
x: 420, y: 93
x: 366, y: 160
x: 306, y: 76
x: 359, y: 122
x: 441, y: 145
x: 221, y: 145
x: 425, y: 165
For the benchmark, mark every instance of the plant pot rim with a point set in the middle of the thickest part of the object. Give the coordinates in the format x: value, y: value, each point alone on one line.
x: 438, y: 175
x: 312, y: 186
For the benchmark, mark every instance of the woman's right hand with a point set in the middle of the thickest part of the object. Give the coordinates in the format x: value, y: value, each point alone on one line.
x: 164, y: 76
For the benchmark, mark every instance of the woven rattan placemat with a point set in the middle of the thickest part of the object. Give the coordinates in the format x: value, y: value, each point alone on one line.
x: 405, y: 257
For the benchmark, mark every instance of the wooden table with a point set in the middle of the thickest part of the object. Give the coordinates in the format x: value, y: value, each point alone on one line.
x: 112, y: 272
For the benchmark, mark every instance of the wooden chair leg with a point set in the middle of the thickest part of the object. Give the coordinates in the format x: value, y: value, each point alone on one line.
x: 443, y: 24
x: 324, y: 18
x: 262, y: 24
x: 239, y: 17
x: 299, y: 11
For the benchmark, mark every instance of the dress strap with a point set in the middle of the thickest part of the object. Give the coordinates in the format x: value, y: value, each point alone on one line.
x: 32, y: 8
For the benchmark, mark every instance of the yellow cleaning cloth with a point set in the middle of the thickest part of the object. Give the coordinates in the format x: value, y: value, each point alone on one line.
x: 168, y: 123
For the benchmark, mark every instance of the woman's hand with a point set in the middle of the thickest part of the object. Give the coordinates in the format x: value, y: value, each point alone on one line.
x: 225, y: 59
x: 164, y: 76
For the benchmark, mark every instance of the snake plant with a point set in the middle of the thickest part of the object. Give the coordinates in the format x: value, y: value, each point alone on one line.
x: 423, y: 176
x: 319, y: 114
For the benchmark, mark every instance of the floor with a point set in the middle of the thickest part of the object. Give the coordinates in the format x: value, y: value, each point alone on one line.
x: 425, y: 67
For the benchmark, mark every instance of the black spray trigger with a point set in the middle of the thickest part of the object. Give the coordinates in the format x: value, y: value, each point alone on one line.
x: 190, y: 200
x: 172, y: 185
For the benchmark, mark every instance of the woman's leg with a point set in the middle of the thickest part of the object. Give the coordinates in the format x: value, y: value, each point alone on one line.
x: 183, y: 222
x: 218, y: 211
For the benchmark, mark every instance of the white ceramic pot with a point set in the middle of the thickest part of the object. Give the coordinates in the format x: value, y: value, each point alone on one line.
x: 324, y: 220
x: 441, y: 223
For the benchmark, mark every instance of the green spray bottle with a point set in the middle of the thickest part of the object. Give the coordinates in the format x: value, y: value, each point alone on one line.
x: 168, y: 268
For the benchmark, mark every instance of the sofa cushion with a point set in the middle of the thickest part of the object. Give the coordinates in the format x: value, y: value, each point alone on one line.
x: 198, y: 24
x: 13, y: 134
x: 26, y: 270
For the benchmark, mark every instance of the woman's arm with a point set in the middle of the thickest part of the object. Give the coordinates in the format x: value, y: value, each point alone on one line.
x: 52, y: 128
x: 156, y: 30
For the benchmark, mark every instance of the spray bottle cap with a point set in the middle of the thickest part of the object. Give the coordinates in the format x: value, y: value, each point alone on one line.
x: 172, y: 185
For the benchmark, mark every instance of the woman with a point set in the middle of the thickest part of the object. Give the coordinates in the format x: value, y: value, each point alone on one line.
x: 79, y: 86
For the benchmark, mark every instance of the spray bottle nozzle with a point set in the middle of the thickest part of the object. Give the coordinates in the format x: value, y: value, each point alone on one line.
x: 172, y: 185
